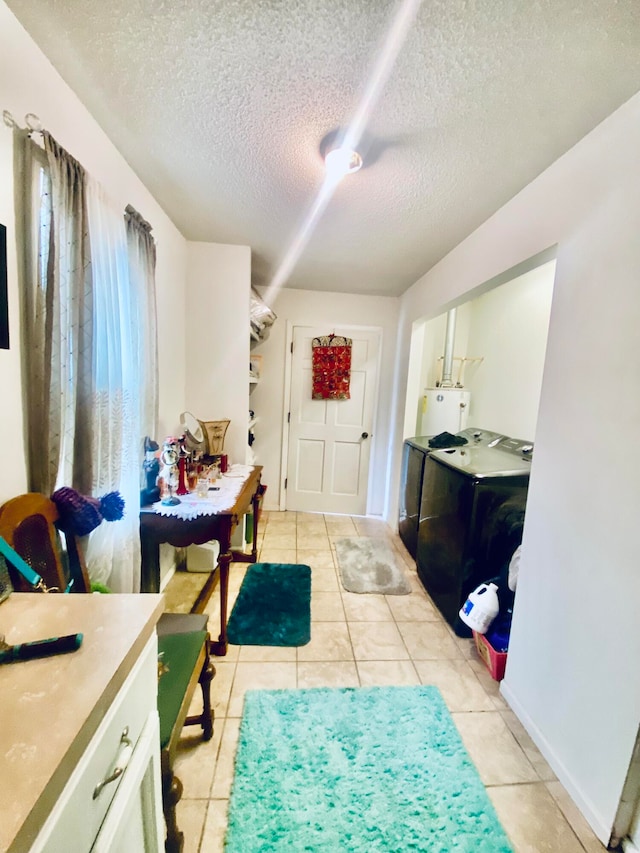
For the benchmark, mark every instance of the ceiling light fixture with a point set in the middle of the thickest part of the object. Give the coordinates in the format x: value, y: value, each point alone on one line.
x: 340, y: 162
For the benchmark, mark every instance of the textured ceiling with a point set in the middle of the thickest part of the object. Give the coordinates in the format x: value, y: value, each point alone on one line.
x: 220, y: 107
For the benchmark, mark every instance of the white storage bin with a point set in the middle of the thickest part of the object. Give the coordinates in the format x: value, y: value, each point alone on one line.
x: 203, y: 558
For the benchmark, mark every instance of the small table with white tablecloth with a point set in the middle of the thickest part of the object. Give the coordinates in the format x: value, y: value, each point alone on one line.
x: 195, y: 521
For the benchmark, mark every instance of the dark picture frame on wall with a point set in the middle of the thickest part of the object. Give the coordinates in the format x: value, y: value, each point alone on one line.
x: 4, y: 304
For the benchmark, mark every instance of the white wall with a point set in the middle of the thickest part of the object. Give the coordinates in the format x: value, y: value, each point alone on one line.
x: 509, y: 328
x: 217, y: 377
x: 28, y: 83
x: 415, y: 382
x: 572, y: 674
x: 308, y: 308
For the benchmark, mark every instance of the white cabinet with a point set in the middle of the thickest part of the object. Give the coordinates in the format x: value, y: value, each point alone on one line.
x: 112, y: 801
x: 114, y: 793
x: 133, y: 821
x: 62, y: 720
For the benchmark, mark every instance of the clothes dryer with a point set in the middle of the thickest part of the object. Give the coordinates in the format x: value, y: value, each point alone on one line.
x: 464, y: 491
x: 414, y: 454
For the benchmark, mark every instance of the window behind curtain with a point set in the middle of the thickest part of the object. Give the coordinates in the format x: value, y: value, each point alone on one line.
x: 118, y: 377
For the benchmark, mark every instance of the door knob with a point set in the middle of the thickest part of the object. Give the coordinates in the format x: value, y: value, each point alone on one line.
x: 365, y: 435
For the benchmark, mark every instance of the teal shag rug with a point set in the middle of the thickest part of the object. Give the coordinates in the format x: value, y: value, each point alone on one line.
x: 273, y: 607
x: 356, y: 770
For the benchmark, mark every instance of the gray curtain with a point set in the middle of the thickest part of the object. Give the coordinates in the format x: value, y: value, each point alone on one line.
x: 142, y: 273
x: 58, y: 320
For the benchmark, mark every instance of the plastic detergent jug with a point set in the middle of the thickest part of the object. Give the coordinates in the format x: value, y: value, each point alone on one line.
x: 481, y: 608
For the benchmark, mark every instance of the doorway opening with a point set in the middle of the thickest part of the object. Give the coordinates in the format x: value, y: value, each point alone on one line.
x: 462, y: 509
x: 499, y: 353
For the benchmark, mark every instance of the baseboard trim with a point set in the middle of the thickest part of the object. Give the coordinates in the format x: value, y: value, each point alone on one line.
x: 593, y: 818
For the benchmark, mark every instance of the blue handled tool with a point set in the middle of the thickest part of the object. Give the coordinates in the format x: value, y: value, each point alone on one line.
x: 39, y: 648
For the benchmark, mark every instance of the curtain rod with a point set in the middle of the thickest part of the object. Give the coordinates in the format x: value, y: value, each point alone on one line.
x: 31, y: 120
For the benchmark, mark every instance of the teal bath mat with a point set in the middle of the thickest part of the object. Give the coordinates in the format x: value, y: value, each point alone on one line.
x: 273, y: 607
x: 356, y: 770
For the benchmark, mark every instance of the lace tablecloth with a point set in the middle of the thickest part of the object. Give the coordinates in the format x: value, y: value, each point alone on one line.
x: 191, y: 506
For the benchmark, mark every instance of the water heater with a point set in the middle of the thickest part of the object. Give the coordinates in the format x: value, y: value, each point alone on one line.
x: 444, y: 410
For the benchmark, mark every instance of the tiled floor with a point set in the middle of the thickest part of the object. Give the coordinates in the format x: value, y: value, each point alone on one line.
x: 361, y: 640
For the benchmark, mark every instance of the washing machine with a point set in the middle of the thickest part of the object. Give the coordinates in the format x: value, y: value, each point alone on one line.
x: 414, y: 454
x: 467, y: 492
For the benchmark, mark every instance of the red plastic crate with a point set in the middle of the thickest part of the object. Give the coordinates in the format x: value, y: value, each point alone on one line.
x: 495, y: 661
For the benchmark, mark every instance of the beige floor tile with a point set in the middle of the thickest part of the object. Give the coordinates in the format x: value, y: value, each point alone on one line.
x: 330, y: 641
x: 232, y: 651
x: 577, y: 822
x: 280, y: 517
x: 366, y: 608
x: 337, y: 518
x: 221, y: 685
x: 416, y: 584
x: 312, y: 541
x: 277, y: 555
x: 324, y: 580
x: 279, y: 525
x: 223, y: 773
x: 190, y: 817
x: 529, y: 748
x: 532, y: 820
x: 215, y: 827
x: 489, y: 683
x: 317, y: 558
x: 457, y: 682
x: 267, y: 654
x: 232, y: 595
x: 182, y: 591
x: 196, y: 760
x: 328, y: 674
x: 311, y: 525
x: 428, y: 641
x: 392, y: 673
x: 412, y: 608
x: 327, y: 607
x: 333, y: 538
x: 341, y: 527
x: 377, y: 641
x: 402, y: 550
x: 493, y: 749
x: 280, y: 539
x: 237, y: 575
x: 259, y: 676
x: 467, y: 647
x: 372, y: 527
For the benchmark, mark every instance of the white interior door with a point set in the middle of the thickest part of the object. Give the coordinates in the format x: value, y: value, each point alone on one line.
x: 330, y: 440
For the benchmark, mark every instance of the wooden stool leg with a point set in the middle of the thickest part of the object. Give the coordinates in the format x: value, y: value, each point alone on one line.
x: 206, y: 677
x: 171, y: 795
x: 205, y: 719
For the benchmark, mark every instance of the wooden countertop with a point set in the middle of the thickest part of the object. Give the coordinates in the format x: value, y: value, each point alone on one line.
x: 50, y: 708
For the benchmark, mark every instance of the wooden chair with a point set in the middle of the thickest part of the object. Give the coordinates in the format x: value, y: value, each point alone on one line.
x: 29, y: 523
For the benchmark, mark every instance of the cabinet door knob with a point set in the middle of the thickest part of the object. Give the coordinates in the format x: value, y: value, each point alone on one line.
x: 122, y: 761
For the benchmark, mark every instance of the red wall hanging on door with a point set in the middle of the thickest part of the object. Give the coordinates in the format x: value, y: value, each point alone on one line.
x: 331, y: 363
